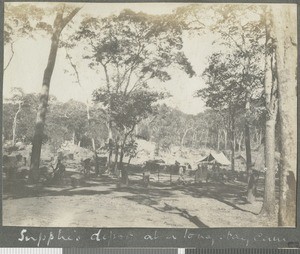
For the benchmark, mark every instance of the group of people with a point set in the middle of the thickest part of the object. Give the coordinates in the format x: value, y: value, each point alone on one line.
x: 209, y: 171
x: 174, y: 169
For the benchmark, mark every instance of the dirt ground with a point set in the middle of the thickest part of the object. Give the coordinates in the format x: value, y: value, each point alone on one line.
x: 101, y: 202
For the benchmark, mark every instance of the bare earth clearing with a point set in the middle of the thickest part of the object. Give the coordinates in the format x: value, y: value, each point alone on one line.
x: 99, y: 202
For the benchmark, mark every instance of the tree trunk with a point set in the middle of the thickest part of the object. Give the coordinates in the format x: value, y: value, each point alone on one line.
x: 194, y: 139
x: 225, y: 139
x: 269, y: 195
x: 206, y: 138
x: 129, y: 160
x: 58, y: 26
x: 286, y: 58
x: 250, y: 194
x: 110, y: 145
x: 218, y: 145
x: 251, y: 186
x: 73, y: 138
x: 232, y: 136
x: 93, y: 140
x: 259, y: 137
x: 200, y: 139
x: 157, y: 148
x: 136, y: 130
x: 239, y: 142
x: 124, y: 173
x: 272, y: 109
x: 109, y: 122
x: 248, y: 138
x: 42, y: 110
x: 183, y: 138
x: 11, y: 56
x: 116, y: 157
x: 97, y: 169
x: 15, y: 124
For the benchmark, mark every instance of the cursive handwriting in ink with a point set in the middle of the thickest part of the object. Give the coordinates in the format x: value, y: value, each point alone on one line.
x: 151, y: 236
x: 45, y: 238
x: 235, y: 237
x: 196, y: 236
x: 263, y: 238
x: 110, y: 235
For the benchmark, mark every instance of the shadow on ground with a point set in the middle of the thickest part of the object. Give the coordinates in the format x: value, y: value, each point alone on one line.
x: 229, y: 193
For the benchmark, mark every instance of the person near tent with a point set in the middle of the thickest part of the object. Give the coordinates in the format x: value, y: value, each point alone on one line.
x: 59, y: 170
x: 146, y: 174
x: 253, y: 180
x: 86, y: 166
x: 181, y: 178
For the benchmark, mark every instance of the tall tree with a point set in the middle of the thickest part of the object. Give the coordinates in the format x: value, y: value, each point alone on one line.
x: 241, y: 28
x: 228, y: 85
x: 61, y: 20
x: 242, y: 33
x: 17, y: 98
x: 19, y: 113
x: 127, y: 112
x: 285, y: 35
x: 271, y: 100
x: 132, y: 49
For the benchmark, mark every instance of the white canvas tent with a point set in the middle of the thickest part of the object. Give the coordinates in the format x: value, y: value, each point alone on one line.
x: 215, y: 157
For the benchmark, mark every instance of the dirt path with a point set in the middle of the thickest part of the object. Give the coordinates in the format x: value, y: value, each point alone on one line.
x: 101, y: 204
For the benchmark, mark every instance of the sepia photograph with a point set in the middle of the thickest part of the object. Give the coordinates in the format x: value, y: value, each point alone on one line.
x: 149, y: 115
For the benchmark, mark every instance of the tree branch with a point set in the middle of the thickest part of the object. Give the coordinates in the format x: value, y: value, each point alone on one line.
x: 73, y: 66
x: 235, y: 42
x: 137, y: 83
x: 11, y: 57
x: 134, y: 65
x: 106, y: 76
x: 67, y: 19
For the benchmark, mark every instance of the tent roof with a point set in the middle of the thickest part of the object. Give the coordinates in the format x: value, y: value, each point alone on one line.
x: 214, y: 156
